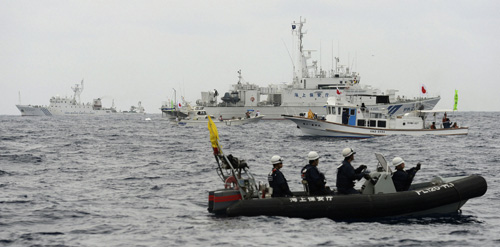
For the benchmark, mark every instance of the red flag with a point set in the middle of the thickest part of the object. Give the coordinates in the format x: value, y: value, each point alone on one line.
x: 424, y: 91
x: 179, y: 105
x: 338, y: 92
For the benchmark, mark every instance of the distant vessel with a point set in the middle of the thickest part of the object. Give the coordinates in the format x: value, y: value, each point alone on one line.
x: 67, y: 106
x: 309, y: 90
x: 136, y: 109
x: 197, y: 116
x: 179, y: 110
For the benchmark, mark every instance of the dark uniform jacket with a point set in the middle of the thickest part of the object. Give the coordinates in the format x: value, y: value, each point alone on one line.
x: 278, y: 182
x: 402, y: 179
x: 315, y: 180
x: 346, y: 175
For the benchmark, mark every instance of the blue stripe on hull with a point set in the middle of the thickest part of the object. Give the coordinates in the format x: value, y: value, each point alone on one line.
x: 46, y: 112
x: 393, y: 109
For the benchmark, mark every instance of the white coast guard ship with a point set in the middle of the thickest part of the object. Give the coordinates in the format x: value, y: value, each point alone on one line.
x: 310, y: 89
x: 67, y: 106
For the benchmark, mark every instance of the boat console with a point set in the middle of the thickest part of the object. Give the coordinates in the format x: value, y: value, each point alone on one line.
x: 381, y: 180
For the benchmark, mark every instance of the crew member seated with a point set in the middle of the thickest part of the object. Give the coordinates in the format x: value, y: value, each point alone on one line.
x: 315, y: 179
x: 433, y: 126
x: 277, y: 180
x: 402, y: 179
x: 347, y: 175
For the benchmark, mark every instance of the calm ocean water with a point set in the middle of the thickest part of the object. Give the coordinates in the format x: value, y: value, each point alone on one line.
x: 124, y: 181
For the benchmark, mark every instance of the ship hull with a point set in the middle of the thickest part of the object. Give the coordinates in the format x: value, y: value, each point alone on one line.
x: 315, y: 127
x: 29, y: 110
x: 277, y: 112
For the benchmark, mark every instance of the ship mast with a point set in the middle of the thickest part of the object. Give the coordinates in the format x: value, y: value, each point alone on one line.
x: 78, y: 90
x: 301, y: 71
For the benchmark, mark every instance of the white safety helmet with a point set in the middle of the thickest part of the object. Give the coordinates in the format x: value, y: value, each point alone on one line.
x: 313, y: 156
x: 397, y: 161
x: 276, y: 159
x: 347, y: 152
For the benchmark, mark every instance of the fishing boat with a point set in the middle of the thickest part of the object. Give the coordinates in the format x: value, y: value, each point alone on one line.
x: 347, y: 120
x: 178, y: 110
x: 68, y: 106
x: 310, y: 87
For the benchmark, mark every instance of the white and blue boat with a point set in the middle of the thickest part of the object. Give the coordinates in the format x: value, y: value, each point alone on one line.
x: 348, y: 120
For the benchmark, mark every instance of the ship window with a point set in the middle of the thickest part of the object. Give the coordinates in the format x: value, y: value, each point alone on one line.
x: 338, y: 111
x: 311, y: 95
x: 373, y: 123
x: 361, y: 122
x: 353, y: 112
x: 381, y: 123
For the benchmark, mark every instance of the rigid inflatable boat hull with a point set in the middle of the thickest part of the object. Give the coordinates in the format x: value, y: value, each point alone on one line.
x: 439, y: 199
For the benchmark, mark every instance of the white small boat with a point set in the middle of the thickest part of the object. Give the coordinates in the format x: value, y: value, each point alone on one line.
x: 347, y: 120
x: 198, y: 116
x: 136, y: 109
x: 230, y: 122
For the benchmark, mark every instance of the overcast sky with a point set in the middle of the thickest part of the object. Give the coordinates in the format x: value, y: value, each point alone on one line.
x: 134, y: 51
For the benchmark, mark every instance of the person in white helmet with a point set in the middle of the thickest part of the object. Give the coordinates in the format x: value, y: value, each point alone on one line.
x: 346, y: 174
x: 277, y: 180
x: 402, y: 179
x: 315, y: 179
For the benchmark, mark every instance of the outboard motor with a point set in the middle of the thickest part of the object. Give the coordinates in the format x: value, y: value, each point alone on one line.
x: 238, y: 181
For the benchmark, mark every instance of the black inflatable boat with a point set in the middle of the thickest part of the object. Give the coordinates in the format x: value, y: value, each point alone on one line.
x: 241, y: 196
x: 378, y: 198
